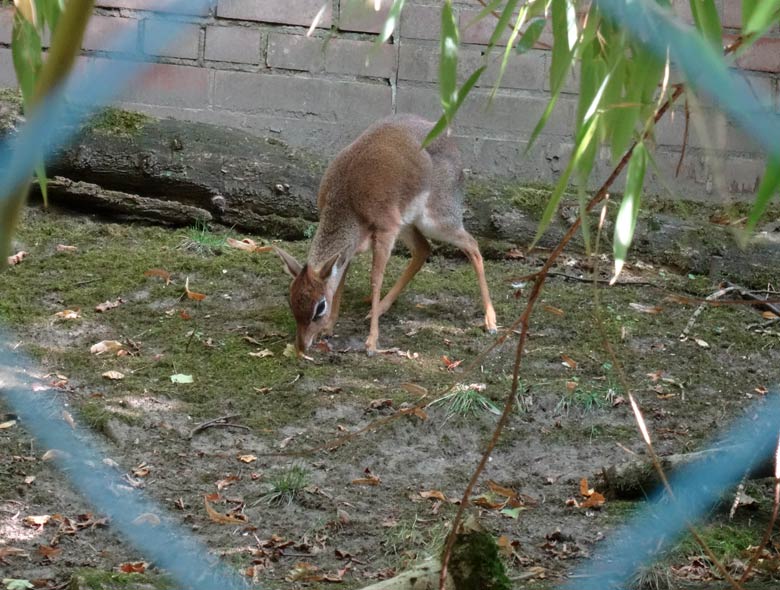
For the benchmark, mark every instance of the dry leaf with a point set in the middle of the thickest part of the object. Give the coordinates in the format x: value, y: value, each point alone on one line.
x: 192, y: 294
x: 228, y: 481
x: 702, y: 343
x: 16, y: 258
x: 501, y: 490
x: 147, y: 518
x: 53, y: 454
x: 642, y: 308
x: 553, y: 310
x: 435, y: 494
x: 106, y: 346
x: 416, y: 411
x: 113, y: 375
x: 568, y: 361
x: 595, y: 500
x: 369, y: 480
x: 134, y: 567
x: 451, y: 365
x: 64, y: 248
x: 158, y: 272
x: 329, y: 389
x: 68, y: 314
x: 48, y: 552
x: 221, y: 518
x: 584, y: 489
x: 68, y: 418
x: 247, y: 458
x: 29, y: 480
x: 261, y: 354
x: 37, y: 521
x: 515, y: 254
x: 247, y: 245
x: 768, y: 315
x: 8, y: 424
x: 414, y: 389
x: 106, y: 305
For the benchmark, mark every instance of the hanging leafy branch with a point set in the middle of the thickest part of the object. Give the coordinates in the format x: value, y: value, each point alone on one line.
x: 622, y: 83
x: 38, y: 76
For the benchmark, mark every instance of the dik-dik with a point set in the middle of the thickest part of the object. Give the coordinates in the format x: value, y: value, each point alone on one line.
x: 382, y: 187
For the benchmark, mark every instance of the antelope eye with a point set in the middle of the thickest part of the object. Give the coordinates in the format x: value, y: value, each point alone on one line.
x: 319, y: 311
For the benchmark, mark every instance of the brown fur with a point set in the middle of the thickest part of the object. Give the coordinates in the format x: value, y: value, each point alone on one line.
x: 366, y: 192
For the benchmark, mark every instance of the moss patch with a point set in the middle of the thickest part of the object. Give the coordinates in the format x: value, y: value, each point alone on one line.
x: 113, y: 121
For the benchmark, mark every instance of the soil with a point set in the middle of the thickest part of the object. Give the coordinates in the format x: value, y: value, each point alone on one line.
x: 572, y: 419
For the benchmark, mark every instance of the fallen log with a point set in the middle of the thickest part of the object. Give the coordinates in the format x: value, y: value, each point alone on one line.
x: 260, y: 185
x: 639, y: 478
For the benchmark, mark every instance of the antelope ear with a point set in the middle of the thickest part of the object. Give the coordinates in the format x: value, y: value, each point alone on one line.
x: 330, y: 265
x: 291, y: 266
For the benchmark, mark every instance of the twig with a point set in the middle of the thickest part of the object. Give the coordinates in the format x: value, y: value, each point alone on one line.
x: 747, y: 294
x: 590, y: 280
x: 716, y: 295
x: 217, y: 422
x: 685, y: 139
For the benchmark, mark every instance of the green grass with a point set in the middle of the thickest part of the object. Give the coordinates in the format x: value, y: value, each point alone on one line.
x: 285, y: 485
x: 467, y: 400
x: 202, y: 240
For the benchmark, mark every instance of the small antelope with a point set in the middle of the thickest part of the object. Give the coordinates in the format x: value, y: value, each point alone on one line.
x: 382, y: 187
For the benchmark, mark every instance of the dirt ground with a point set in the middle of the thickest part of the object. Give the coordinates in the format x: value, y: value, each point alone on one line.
x: 321, y: 509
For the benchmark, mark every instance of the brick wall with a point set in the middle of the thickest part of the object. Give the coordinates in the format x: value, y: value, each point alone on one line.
x: 250, y: 64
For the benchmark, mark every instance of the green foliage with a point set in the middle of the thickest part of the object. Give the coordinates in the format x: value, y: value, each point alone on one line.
x: 467, y: 400
x: 286, y: 485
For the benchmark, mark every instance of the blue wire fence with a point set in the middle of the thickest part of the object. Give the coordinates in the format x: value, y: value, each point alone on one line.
x: 186, y: 559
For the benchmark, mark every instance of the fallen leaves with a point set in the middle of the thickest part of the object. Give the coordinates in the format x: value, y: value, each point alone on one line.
x: 261, y: 354
x: 247, y: 245
x: 370, y: 479
x: 106, y: 305
x: 68, y: 314
x: 451, y: 365
x: 113, y: 375
x: 158, y: 272
x: 65, y: 249
x: 17, y: 258
x: 105, y: 346
x: 593, y: 499
x: 192, y: 294
x: 232, y: 517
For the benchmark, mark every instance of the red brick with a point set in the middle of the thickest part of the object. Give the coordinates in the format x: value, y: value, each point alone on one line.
x: 181, y: 39
x: 362, y: 18
x: 287, y: 12
x: 233, y: 44
x: 421, y: 22
x: 764, y: 56
x: 105, y: 32
x: 195, y: 8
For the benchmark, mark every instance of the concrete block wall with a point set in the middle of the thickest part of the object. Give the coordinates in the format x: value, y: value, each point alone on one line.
x: 250, y: 64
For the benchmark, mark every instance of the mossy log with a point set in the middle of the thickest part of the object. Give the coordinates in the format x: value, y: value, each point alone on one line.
x: 262, y: 186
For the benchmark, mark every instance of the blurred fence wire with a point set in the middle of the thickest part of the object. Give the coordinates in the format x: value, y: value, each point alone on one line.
x: 95, y: 84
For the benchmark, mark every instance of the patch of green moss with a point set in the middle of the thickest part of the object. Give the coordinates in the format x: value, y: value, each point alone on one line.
x: 727, y: 541
x: 11, y: 95
x: 113, y: 121
x: 475, y: 563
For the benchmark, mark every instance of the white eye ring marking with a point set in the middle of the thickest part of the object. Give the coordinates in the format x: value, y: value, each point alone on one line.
x: 320, y: 309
